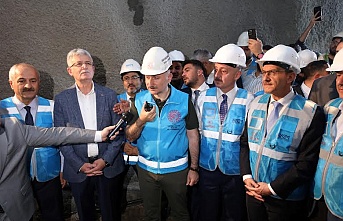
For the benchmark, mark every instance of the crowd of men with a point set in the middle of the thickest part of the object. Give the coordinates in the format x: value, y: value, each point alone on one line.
x: 251, y: 133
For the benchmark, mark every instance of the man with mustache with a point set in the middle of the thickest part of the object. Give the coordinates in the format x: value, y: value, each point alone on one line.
x: 45, y: 163
x: 89, y: 105
x: 132, y: 82
x: 280, y: 143
x: 328, y: 180
x: 223, y: 111
x: 166, y: 134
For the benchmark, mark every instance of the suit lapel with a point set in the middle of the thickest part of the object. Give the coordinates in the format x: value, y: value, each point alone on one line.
x: 100, y: 104
x: 74, y: 105
x: 3, y: 150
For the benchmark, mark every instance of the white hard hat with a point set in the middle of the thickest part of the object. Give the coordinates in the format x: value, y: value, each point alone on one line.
x: 338, y: 35
x: 176, y: 55
x: 306, y: 56
x: 243, y: 39
x: 230, y: 53
x: 283, y: 54
x: 337, y: 64
x: 156, y: 61
x: 130, y: 65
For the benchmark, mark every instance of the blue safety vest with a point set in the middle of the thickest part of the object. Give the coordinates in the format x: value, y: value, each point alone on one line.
x: 328, y: 180
x: 276, y: 153
x: 48, y: 159
x: 163, y: 143
x: 224, y: 154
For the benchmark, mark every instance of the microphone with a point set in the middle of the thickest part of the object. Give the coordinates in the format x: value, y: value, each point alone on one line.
x: 127, y: 116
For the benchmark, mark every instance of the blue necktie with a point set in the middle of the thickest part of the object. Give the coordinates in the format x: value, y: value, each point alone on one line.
x: 223, y: 108
x: 273, y: 116
x: 28, y: 117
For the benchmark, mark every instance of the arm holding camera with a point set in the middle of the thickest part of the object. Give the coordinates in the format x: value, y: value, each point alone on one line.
x: 255, y: 47
x: 133, y: 131
x: 303, y: 36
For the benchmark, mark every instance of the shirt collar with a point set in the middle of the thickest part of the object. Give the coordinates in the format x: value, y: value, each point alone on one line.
x: 202, y: 87
x: 20, y: 105
x: 90, y: 92
x: 285, y: 100
x: 230, y: 94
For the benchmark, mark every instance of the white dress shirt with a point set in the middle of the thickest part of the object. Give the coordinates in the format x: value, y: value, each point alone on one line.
x: 87, y: 103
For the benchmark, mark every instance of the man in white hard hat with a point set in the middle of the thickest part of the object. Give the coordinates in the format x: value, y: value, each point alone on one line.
x: 280, y: 143
x: 223, y: 110
x: 251, y: 65
x: 132, y: 82
x: 306, y: 56
x: 328, y: 180
x: 177, y: 58
x: 324, y: 89
x: 166, y: 129
x: 328, y: 57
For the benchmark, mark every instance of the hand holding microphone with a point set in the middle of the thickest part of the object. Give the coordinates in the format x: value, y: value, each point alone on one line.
x: 126, y: 117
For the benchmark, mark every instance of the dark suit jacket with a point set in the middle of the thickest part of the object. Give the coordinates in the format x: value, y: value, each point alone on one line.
x: 323, y: 90
x: 67, y: 113
x: 16, y: 196
x: 302, y: 172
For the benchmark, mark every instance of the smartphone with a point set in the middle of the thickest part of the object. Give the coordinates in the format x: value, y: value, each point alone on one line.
x: 148, y: 106
x: 252, y: 34
x: 318, y: 9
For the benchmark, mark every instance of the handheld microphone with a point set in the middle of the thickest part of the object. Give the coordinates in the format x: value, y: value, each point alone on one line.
x: 124, y: 118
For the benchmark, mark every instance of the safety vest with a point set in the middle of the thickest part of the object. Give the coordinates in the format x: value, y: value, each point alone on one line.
x: 48, y: 160
x: 163, y: 143
x: 129, y: 160
x: 328, y: 180
x: 276, y: 153
x: 224, y: 154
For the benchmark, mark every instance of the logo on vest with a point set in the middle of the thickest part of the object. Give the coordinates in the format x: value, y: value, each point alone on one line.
x: 174, y: 116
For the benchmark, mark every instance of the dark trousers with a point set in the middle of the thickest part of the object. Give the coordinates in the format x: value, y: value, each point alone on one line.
x: 273, y: 209
x: 109, y: 197
x: 174, y: 186
x: 49, y: 198
x: 222, y: 197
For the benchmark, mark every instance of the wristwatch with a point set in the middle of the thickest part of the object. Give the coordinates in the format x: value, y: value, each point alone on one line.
x: 260, y: 55
x: 194, y: 169
x: 107, y: 164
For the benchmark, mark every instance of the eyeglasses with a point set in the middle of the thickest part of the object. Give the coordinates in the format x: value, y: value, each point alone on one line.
x: 273, y: 72
x: 127, y: 78
x: 80, y: 64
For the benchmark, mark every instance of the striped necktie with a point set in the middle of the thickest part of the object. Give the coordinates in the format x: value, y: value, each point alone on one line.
x: 223, y: 108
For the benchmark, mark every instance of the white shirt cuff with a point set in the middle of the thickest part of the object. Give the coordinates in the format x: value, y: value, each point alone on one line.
x: 271, y: 189
x: 97, y: 138
x: 247, y: 176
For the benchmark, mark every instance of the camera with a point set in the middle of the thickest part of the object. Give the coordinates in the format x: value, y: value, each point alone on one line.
x: 148, y: 106
x: 252, y: 34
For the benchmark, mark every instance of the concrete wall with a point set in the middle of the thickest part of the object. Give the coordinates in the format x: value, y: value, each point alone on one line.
x: 43, y: 32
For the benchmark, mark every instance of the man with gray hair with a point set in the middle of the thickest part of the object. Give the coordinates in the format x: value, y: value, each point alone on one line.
x: 204, y: 56
x: 89, y: 105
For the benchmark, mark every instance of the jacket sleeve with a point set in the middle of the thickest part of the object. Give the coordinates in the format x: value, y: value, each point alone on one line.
x: 244, y: 161
x: 304, y: 168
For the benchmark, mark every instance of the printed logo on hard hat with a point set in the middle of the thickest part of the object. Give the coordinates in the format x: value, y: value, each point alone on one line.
x: 174, y: 116
x: 129, y: 65
x: 166, y: 59
x: 150, y: 66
